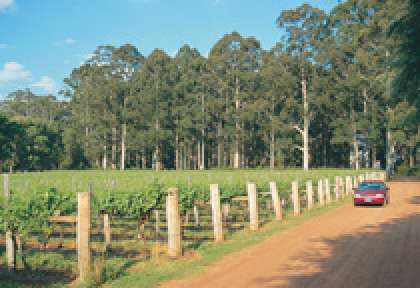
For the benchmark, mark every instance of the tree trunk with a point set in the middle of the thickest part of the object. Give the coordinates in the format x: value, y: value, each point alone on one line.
x: 202, y: 160
x: 237, y: 125
x: 143, y: 159
x: 219, y: 144
x: 104, y: 158
x: 203, y: 155
x: 114, y: 147
x: 272, y: 149
x: 388, y: 151
x: 412, y: 161
x: 157, y: 148
x: 176, y: 151
x: 123, y: 148
x: 367, y: 146
x: 305, y: 123
x: 355, y: 145
x: 198, y: 154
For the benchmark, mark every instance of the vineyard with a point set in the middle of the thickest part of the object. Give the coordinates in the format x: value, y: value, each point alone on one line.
x: 128, y: 218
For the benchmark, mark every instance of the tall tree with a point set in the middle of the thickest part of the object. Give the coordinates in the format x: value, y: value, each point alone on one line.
x: 304, y: 28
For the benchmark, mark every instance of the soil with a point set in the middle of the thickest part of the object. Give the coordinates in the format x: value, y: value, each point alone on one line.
x: 346, y: 247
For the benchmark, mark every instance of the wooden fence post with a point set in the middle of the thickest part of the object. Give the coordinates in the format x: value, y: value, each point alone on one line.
x: 174, y: 223
x: 10, y: 240
x: 225, y: 211
x: 83, y: 235
x: 252, y: 206
x: 327, y: 190
x: 157, y: 222
x: 383, y: 176
x: 196, y: 215
x: 337, y: 188
x: 348, y: 185
x: 309, y: 194
x: 107, y: 231
x: 295, y: 198
x: 216, y: 213
x: 355, y: 181
x: 320, y: 193
x: 276, y: 200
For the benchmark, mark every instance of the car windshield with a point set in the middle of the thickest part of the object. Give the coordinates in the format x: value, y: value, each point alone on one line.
x: 371, y: 186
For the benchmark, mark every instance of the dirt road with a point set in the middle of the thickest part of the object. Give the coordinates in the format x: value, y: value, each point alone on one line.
x: 347, y: 247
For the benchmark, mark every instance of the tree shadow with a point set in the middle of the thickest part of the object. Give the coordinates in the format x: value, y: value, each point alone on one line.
x: 34, y: 278
x: 384, y: 255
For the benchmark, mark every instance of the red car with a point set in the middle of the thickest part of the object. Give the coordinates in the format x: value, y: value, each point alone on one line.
x: 371, y: 193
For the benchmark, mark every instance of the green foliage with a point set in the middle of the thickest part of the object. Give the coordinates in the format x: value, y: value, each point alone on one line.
x: 29, y: 214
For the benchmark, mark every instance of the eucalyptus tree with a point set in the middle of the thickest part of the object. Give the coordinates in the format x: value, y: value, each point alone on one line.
x: 235, y: 59
x: 189, y: 108
x: 304, y: 27
x: 153, y: 87
x: 87, y: 110
x: 407, y: 63
x: 278, y: 85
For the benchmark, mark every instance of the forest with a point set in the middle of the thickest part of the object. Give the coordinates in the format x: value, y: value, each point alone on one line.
x: 339, y: 89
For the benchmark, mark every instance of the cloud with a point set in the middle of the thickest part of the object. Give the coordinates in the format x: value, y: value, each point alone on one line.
x: 13, y: 71
x: 46, y: 83
x: 69, y: 41
x: 4, y: 4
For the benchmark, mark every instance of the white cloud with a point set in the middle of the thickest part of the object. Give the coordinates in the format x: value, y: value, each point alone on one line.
x: 46, y: 83
x: 4, y: 4
x: 13, y: 71
x: 69, y: 41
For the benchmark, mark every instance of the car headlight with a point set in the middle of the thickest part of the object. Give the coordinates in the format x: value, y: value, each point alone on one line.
x: 357, y: 196
x: 380, y: 196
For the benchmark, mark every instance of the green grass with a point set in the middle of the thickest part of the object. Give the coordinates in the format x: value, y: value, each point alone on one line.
x: 150, y: 274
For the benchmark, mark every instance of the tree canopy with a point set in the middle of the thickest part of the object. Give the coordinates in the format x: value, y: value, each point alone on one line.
x: 340, y: 88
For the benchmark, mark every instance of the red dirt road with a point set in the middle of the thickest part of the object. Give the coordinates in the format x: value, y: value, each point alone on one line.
x: 347, y: 247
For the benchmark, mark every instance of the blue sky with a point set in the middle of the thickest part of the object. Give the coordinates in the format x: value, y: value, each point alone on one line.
x: 41, y: 41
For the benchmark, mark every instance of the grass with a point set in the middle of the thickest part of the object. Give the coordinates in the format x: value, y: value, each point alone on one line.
x: 150, y: 274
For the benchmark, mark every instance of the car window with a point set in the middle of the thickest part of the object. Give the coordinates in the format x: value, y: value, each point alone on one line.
x: 371, y: 186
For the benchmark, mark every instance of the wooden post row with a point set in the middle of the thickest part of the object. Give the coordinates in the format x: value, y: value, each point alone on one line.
x: 321, y: 197
x: 295, y: 198
x: 252, y: 206
x: 174, y: 223
x: 309, y: 194
x: 276, y: 201
x: 83, y: 235
x: 216, y: 212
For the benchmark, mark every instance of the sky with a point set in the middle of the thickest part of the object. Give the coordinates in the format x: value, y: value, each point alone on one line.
x: 41, y: 41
